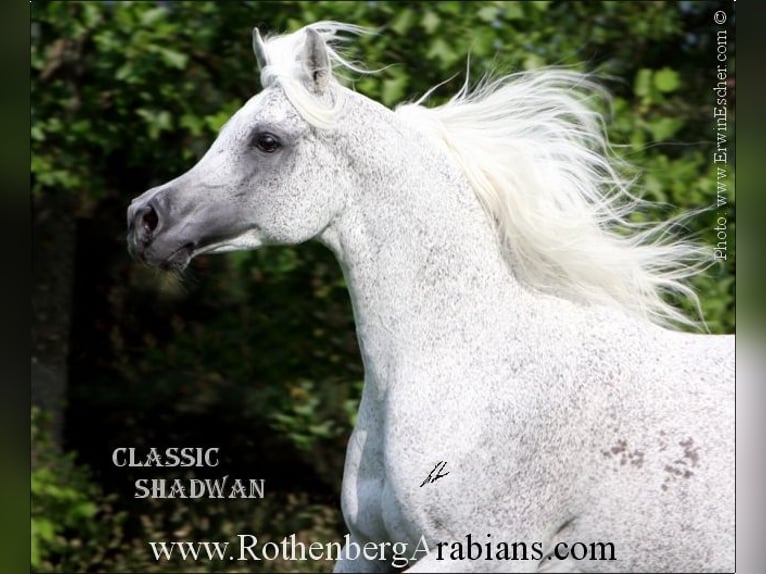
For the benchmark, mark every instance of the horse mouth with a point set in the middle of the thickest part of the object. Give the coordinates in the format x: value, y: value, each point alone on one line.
x: 177, y: 260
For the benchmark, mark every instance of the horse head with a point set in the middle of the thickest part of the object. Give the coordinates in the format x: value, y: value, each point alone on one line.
x: 269, y: 177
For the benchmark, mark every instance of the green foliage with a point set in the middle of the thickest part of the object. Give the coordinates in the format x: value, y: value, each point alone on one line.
x: 74, y: 527
x: 303, y: 421
x: 108, y: 74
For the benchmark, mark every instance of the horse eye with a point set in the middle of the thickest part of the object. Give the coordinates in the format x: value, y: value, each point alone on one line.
x: 266, y: 142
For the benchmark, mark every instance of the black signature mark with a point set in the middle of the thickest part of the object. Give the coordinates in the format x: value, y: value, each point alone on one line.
x: 436, y: 473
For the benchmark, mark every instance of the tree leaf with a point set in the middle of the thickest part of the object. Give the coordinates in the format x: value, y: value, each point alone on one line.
x: 487, y: 13
x: 430, y: 21
x: 643, y: 84
x: 512, y: 10
x: 403, y: 21
x: 174, y: 59
x: 151, y: 16
x: 393, y: 90
x: 667, y: 80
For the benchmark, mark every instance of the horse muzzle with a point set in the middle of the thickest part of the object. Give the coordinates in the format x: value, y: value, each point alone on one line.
x: 150, y: 236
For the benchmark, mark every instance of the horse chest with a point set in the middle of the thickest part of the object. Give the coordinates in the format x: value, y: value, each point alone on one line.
x: 427, y: 454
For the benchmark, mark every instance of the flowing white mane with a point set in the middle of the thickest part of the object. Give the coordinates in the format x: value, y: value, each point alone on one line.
x: 537, y: 156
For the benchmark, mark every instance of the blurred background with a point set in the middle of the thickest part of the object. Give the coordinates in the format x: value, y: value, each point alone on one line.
x: 255, y: 353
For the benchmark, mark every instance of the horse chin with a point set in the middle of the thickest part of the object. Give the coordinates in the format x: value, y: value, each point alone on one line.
x: 179, y: 259
x: 176, y: 261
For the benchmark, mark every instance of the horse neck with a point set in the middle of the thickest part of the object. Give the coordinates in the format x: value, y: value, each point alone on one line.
x: 420, y: 255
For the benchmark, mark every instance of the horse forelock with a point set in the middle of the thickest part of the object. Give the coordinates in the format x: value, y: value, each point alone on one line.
x: 285, y: 68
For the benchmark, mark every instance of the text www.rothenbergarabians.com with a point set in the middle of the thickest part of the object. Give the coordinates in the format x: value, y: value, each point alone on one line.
x: 397, y: 554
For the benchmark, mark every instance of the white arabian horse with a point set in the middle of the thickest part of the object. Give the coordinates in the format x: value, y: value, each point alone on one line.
x: 524, y: 396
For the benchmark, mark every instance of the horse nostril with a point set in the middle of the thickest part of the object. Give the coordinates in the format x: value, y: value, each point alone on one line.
x: 150, y: 219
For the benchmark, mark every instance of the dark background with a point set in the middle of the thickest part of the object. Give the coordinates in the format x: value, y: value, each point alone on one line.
x: 255, y: 353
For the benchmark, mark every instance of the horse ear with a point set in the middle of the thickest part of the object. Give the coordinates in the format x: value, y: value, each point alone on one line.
x: 316, y: 62
x: 259, y: 49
